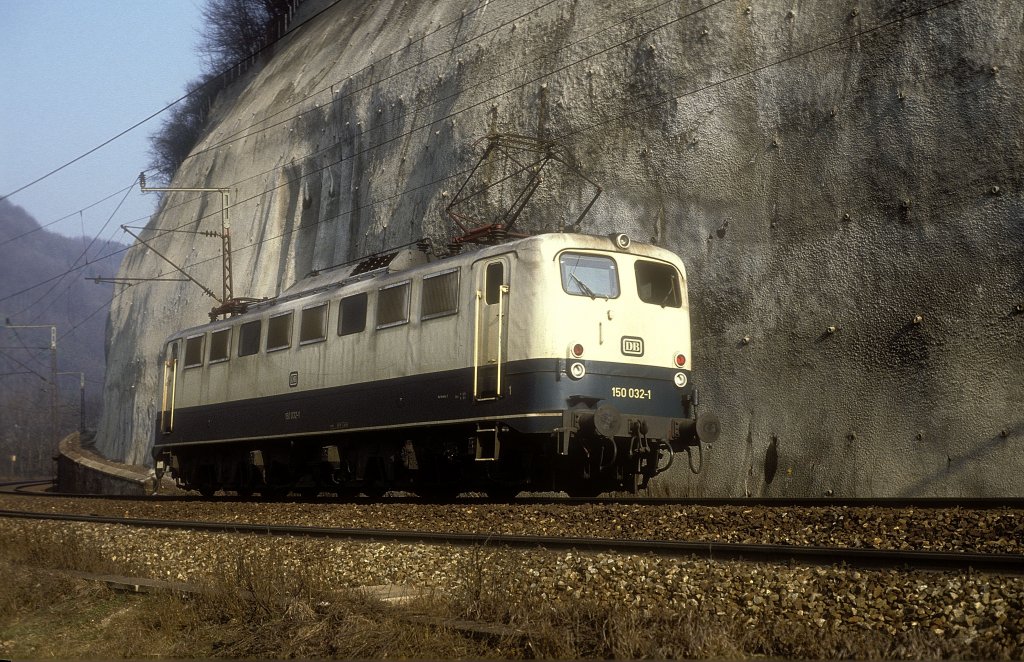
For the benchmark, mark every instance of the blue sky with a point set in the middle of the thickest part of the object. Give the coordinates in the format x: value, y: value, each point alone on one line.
x: 74, y: 73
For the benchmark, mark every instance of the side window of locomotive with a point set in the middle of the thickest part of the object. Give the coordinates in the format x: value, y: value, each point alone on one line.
x: 249, y: 338
x: 194, y: 351
x: 658, y: 284
x: 393, y: 305
x: 220, y: 345
x: 591, y: 276
x: 494, y: 278
x: 313, y: 324
x: 440, y: 295
x: 352, y: 314
x: 279, y: 332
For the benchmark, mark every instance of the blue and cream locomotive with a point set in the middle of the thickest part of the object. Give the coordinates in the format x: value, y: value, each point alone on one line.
x: 557, y: 362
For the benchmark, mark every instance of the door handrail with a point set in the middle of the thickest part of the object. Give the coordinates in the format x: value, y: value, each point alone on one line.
x: 502, y: 291
x: 476, y: 345
x: 167, y: 415
x: 174, y: 391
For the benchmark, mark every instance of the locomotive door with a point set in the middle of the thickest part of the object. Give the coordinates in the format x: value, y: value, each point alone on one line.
x: 170, y: 382
x: 490, y: 331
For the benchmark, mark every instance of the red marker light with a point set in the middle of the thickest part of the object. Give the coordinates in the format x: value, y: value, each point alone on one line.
x: 577, y: 350
x: 680, y: 360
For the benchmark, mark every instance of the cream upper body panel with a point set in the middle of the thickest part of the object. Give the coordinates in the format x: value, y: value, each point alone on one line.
x: 552, y: 312
x: 540, y: 317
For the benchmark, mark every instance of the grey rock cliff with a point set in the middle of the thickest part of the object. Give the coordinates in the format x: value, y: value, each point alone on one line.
x: 846, y: 165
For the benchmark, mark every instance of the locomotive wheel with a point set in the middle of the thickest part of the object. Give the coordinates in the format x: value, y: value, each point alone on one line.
x: 435, y: 493
x: 502, y: 493
x: 374, y: 491
x: 583, y: 491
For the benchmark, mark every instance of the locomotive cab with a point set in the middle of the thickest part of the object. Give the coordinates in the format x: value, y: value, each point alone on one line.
x: 607, y: 321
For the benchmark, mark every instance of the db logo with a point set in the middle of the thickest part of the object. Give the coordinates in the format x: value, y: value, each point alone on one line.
x: 632, y: 346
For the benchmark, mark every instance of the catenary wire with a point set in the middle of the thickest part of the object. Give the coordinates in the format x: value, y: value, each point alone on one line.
x: 29, y: 368
x: 83, y: 254
x: 237, y: 135
x: 221, y: 74
x: 577, y: 131
x: 622, y: 116
x: 480, y: 83
x: 756, y: 70
x: 230, y: 138
x: 583, y: 129
x: 427, y: 125
x: 400, y: 116
x: 65, y: 217
x: 201, y: 87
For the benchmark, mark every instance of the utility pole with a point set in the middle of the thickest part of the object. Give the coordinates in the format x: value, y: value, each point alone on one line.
x: 228, y: 304
x: 54, y: 395
x: 81, y: 402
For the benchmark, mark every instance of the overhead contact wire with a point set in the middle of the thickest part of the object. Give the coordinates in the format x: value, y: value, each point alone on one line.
x: 83, y: 254
x: 433, y: 122
x: 595, y: 125
x: 222, y: 73
x: 236, y: 136
x: 584, y: 129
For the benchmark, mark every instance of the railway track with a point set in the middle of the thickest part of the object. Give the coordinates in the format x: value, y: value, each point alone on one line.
x: 1003, y: 564
x: 38, y: 488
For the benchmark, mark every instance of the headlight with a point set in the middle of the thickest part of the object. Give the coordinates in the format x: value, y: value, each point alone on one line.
x: 680, y: 379
x: 577, y: 370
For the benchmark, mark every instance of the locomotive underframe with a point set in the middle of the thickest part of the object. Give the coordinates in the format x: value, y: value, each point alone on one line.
x: 545, y: 432
x: 493, y: 457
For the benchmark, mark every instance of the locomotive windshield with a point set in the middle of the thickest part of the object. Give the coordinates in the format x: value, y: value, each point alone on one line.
x: 658, y: 283
x: 589, y: 275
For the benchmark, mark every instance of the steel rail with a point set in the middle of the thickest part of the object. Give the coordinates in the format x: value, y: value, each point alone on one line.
x: 1005, y: 564
x: 968, y: 503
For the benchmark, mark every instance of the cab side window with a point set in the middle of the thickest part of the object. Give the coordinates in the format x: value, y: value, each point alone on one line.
x: 279, y: 332
x: 220, y: 345
x: 352, y: 314
x: 658, y: 284
x: 494, y: 278
x: 194, y: 351
x: 249, y: 338
x: 313, y: 324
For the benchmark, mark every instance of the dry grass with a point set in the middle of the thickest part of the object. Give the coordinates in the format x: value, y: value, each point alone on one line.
x: 283, y: 609
x: 243, y: 612
x: 589, y: 629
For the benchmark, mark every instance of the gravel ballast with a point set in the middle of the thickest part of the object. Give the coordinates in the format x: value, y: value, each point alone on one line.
x: 979, y: 612
x: 934, y: 529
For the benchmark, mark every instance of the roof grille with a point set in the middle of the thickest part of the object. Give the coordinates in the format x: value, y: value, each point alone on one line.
x: 373, y: 263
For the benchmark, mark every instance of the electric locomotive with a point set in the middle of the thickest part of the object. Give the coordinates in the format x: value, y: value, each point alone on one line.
x: 556, y: 362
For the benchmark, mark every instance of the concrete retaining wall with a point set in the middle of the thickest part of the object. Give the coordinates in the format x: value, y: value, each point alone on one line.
x: 84, y: 471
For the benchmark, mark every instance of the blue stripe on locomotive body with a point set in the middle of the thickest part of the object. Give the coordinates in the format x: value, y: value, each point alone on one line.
x: 534, y: 399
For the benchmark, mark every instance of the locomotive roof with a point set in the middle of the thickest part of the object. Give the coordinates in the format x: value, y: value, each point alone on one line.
x: 405, y: 259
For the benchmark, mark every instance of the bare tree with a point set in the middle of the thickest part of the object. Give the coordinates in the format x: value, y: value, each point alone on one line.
x: 182, y: 128
x: 234, y: 31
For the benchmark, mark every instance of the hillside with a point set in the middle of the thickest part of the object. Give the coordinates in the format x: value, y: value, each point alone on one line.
x: 79, y: 309
x: 843, y: 185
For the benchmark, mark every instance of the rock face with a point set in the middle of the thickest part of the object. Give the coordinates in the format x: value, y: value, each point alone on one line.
x: 843, y: 180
